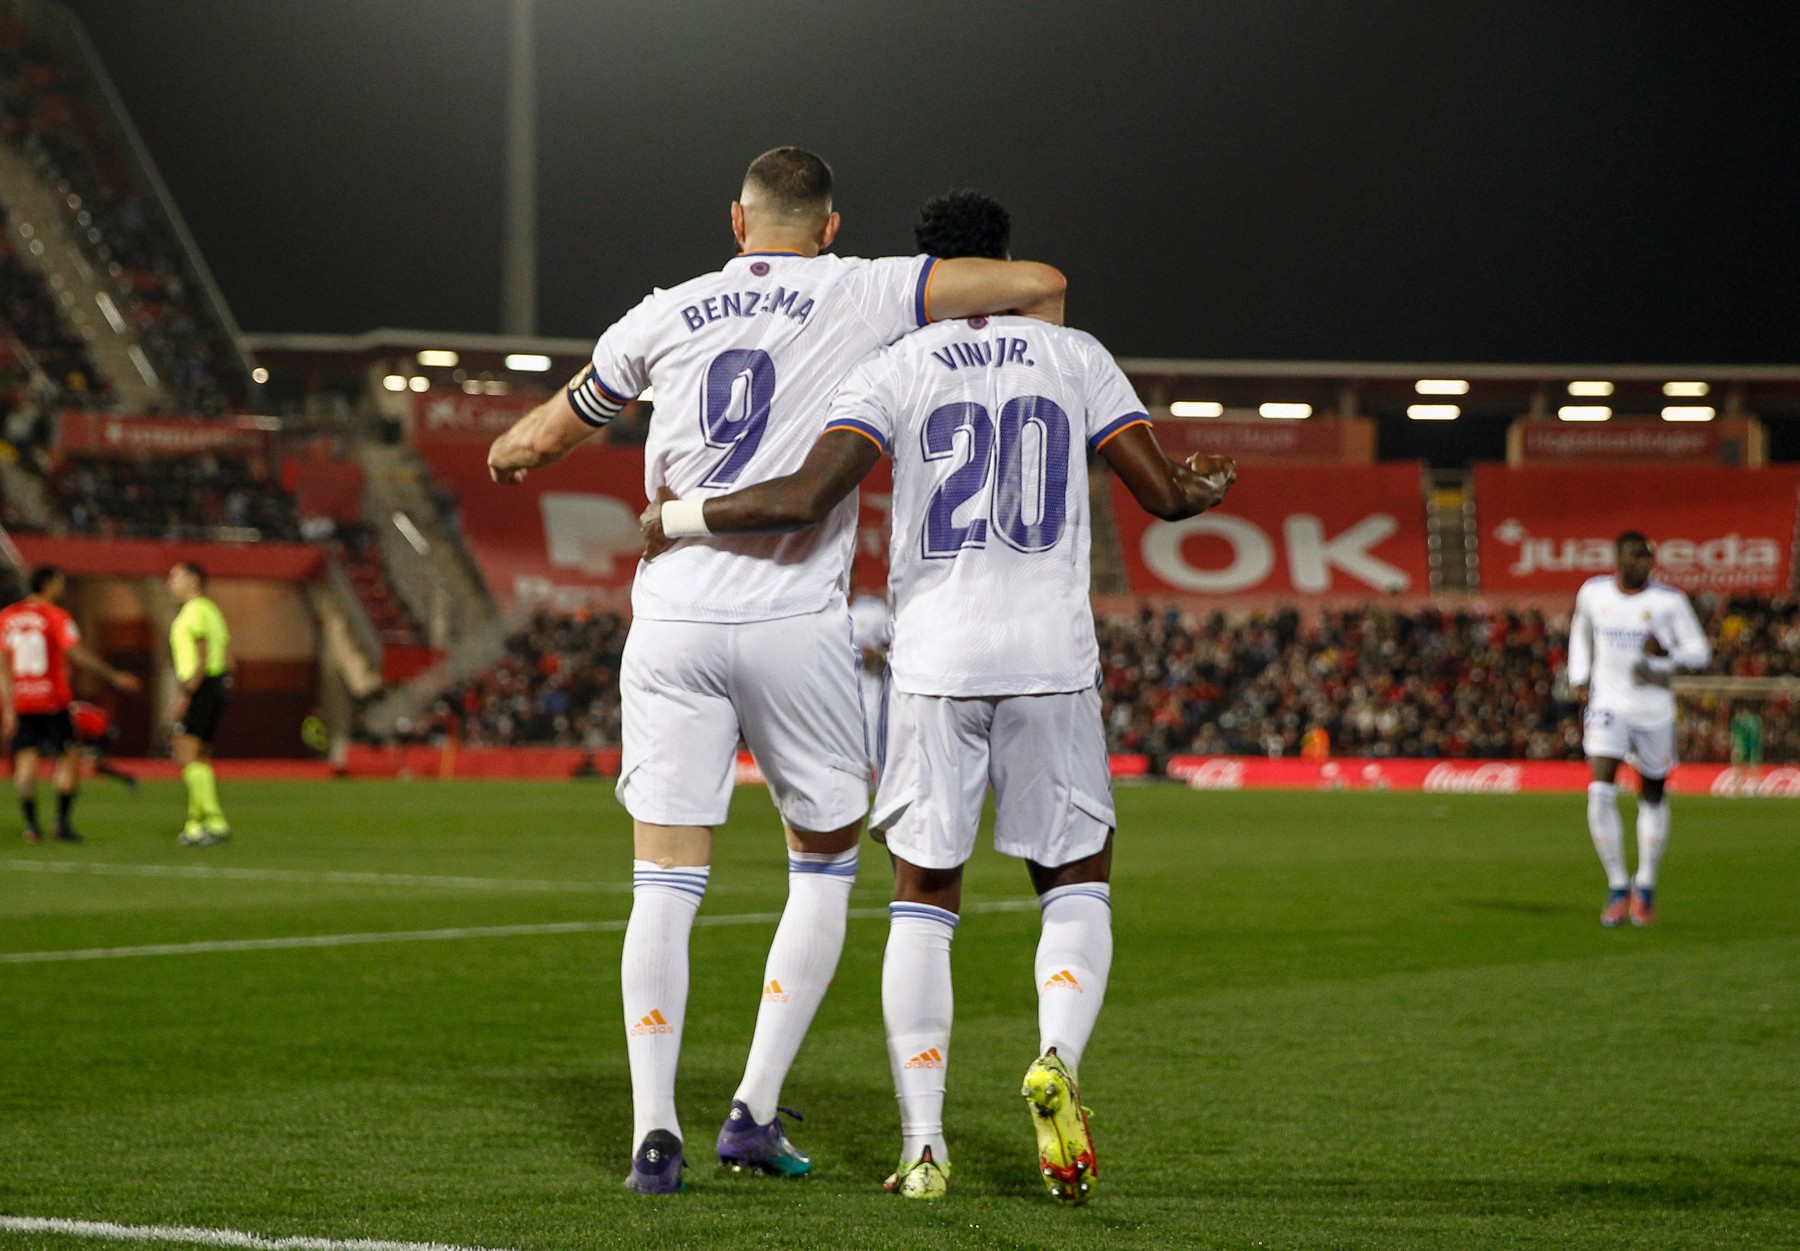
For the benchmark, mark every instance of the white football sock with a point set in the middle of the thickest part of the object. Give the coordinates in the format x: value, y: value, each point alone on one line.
x: 1074, y: 956
x: 1608, y: 832
x: 1653, y: 836
x: 802, y: 959
x: 653, y: 980
x: 916, y: 1004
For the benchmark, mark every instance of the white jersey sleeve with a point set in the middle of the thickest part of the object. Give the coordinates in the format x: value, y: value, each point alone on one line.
x: 1581, y: 641
x: 893, y: 294
x: 619, y: 371
x: 1112, y: 402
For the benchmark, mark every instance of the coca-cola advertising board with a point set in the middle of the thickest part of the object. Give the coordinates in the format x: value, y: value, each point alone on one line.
x: 1460, y: 777
x: 1300, y: 530
x: 1550, y: 528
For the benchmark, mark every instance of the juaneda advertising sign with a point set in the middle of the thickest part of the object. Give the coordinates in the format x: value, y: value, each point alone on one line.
x: 1301, y: 530
x: 1551, y: 528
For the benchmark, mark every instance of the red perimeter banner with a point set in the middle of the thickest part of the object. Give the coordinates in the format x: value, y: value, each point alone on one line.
x: 454, y: 412
x: 1458, y: 777
x: 1302, y: 530
x: 105, y: 434
x: 567, y: 537
x: 1347, y: 441
x: 1548, y: 528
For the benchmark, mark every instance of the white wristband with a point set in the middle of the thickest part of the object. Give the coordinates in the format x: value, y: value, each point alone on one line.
x: 684, y: 519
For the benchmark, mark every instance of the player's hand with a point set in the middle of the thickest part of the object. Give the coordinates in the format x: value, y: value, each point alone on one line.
x: 512, y: 455
x: 9, y: 725
x: 650, y: 525
x: 1653, y: 646
x: 1219, y: 472
x: 1581, y: 693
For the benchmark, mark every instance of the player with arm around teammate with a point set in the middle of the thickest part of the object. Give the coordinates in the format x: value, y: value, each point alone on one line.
x: 1630, y: 634
x: 745, y: 635
x: 992, y: 671
x: 39, y: 639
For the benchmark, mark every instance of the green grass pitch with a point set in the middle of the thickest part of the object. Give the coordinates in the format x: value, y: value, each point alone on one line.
x: 1335, y: 1021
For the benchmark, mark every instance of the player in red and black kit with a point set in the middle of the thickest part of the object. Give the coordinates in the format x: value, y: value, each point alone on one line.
x: 37, y: 641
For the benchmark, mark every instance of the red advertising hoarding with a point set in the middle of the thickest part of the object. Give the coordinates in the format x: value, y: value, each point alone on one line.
x: 1548, y: 529
x: 1343, y: 440
x: 108, y: 434
x: 567, y: 537
x: 1301, y: 530
x: 1728, y: 441
x: 1459, y: 777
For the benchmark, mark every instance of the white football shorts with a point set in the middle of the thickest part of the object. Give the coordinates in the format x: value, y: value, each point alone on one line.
x: 1649, y: 745
x: 1044, y: 754
x: 789, y: 686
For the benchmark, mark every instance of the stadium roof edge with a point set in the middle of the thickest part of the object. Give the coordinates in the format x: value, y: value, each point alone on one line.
x: 388, y: 338
x: 1521, y: 373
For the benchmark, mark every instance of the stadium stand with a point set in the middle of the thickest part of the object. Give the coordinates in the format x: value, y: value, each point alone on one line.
x: 1433, y: 683
x: 208, y: 496
x: 52, y: 115
x: 38, y: 336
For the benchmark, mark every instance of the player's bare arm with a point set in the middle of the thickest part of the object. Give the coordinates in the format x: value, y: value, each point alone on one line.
x: 118, y: 679
x: 1169, y: 489
x: 837, y: 462
x: 969, y: 286
x: 541, y: 437
x: 9, y: 718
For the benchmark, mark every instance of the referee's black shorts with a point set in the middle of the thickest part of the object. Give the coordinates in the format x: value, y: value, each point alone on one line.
x: 204, y: 709
x: 46, y: 733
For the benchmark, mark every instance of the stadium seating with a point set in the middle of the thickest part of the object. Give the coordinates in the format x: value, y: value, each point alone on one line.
x: 208, y: 496
x: 1470, y: 683
x: 50, y: 113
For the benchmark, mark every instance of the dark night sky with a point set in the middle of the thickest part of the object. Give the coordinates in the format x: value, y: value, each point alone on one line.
x: 1534, y: 180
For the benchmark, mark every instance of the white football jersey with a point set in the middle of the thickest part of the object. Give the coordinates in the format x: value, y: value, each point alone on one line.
x: 990, y: 422
x: 1606, y: 644
x: 744, y: 362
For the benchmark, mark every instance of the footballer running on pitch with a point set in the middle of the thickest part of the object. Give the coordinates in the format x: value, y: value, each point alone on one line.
x: 200, y: 644
x: 39, y: 639
x: 745, y: 635
x: 1629, y: 636
x: 993, y: 668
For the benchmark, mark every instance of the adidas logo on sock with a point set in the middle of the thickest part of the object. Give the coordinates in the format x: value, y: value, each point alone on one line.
x: 932, y: 1059
x: 655, y: 1023
x: 1065, y: 980
x: 772, y: 993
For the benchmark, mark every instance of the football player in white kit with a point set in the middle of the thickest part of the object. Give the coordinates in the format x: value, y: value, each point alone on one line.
x: 872, y: 633
x: 1629, y: 635
x: 994, y: 663
x: 746, y: 635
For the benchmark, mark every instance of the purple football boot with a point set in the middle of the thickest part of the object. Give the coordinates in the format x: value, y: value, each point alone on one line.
x: 745, y: 1145
x: 656, y: 1168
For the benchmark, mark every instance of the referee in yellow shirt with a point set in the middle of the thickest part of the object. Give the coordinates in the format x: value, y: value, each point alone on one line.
x: 201, y: 645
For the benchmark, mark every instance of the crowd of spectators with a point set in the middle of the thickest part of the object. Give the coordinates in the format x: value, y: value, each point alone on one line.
x: 31, y: 321
x: 49, y: 111
x: 1374, y: 681
x: 208, y: 495
x: 557, y: 684
x: 1379, y: 681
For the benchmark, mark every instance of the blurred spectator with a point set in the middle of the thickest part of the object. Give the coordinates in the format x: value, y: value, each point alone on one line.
x: 209, y: 495
x: 557, y: 684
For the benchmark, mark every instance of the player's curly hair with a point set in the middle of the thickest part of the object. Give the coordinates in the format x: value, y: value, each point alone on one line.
x: 964, y: 223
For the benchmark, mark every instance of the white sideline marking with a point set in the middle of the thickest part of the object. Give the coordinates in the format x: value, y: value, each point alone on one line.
x: 324, y: 876
x: 210, y: 1237
x: 429, y: 936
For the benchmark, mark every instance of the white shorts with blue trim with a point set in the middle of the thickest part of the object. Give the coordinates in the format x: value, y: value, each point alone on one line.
x: 1649, y: 745
x: 788, y: 686
x: 1045, y: 756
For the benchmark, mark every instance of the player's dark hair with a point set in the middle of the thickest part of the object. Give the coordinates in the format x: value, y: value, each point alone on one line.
x: 795, y: 182
x: 43, y: 576
x: 193, y: 567
x: 1630, y: 536
x: 964, y: 223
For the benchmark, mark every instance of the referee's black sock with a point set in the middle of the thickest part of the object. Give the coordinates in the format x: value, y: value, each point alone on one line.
x: 29, y: 808
x: 63, y: 804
